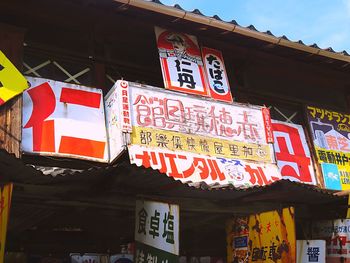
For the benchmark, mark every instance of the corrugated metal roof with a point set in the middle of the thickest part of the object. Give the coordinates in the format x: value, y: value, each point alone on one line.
x: 215, y: 21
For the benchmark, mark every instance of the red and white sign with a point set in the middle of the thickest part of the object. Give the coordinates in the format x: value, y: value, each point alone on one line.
x: 216, y: 75
x: 292, y: 152
x: 195, y: 168
x: 160, y: 109
x: 268, y: 126
x: 62, y: 119
x: 181, y: 62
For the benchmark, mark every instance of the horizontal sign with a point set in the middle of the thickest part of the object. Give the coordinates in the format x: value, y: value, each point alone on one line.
x: 216, y: 75
x: 195, y: 168
x: 181, y: 62
x: 12, y: 82
x: 157, y: 225
x: 175, y: 141
x: 61, y: 119
x: 292, y: 152
x: 160, y: 109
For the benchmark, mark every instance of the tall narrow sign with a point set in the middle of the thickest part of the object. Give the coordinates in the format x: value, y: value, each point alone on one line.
x: 181, y: 62
x: 216, y: 75
x: 156, y: 232
x: 5, y: 199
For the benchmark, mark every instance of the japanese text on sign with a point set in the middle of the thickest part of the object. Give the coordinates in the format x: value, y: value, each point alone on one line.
x: 64, y: 120
x: 157, y: 225
x: 272, y: 236
x: 181, y: 62
x: 196, y: 168
x: 164, y: 110
x: 311, y: 251
x: 175, y: 141
x: 216, y: 74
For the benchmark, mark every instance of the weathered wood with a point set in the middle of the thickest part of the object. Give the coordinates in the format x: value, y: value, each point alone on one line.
x: 11, y: 44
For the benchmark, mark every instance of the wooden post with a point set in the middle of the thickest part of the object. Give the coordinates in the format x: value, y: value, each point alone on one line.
x: 11, y: 44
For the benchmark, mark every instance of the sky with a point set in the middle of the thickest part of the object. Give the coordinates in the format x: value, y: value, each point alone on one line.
x: 324, y: 22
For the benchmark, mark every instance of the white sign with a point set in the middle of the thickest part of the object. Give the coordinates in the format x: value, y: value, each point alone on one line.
x: 181, y: 62
x: 61, y: 119
x: 195, y: 168
x: 311, y: 251
x: 292, y: 152
x: 117, y: 118
x: 337, y: 235
x: 160, y: 109
x: 157, y: 225
x: 216, y: 75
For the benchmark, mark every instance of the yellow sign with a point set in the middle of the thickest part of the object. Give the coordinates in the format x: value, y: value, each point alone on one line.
x: 5, y: 203
x: 272, y: 237
x: 12, y: 82
x: 176, y: 141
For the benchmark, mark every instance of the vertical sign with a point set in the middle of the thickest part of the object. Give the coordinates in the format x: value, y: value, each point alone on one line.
x: 62, y: 119
x: 117, y: 117
x: 216, y: 75
x: 272, y: 236
x: 292, y: 152
x: 311, y: 251
x: 12, y: 82
x: 237, y: 231
x: 337, y: 235
x: 331, y: 138
x: 156, y: 232
x: 6, y: 194
x: 181, y: 62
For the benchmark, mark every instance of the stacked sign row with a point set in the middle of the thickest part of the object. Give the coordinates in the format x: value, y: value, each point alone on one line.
x: 186, y: 137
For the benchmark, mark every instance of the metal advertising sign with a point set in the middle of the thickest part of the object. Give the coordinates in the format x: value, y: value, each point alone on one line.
x: 216, y: 75
x: 61, y: 119
x: 181, y: 62
x: 12, y: 82
x: 272, y: 236
x: 292, y: 152
x: 156, y: 232
x: 117, y: 118
x: 311, y: 251
x: 195, y: 168
x: 237, y: 231
x: 337, y: 235
x: 5, y: 199
x: 331, y: 138
x: 164, y: 110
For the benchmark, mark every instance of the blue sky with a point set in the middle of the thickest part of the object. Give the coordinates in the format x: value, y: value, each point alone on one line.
x: 324, y: 22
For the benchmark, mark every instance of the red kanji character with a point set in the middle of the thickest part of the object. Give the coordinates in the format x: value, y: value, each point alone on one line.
x: 332, y: 142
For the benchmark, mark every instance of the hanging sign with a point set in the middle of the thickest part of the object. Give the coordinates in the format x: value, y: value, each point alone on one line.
x: 331, y: 138
x: 117, y: 118
x: 216, y: 75
x: 12, y: 82
x: 156, y: 232
x: 337, y: 235
x: 5, y: 200
x: 292, y: 152
x: 311, y: 251
x: 160, y: 109
x: 195, y: 168
x: 61, y: 119
x: 181, y: 62
x: 272, y: 237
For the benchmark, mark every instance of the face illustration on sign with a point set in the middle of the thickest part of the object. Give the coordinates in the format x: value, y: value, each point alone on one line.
x: 63, y: 119
x: 181, y: 62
